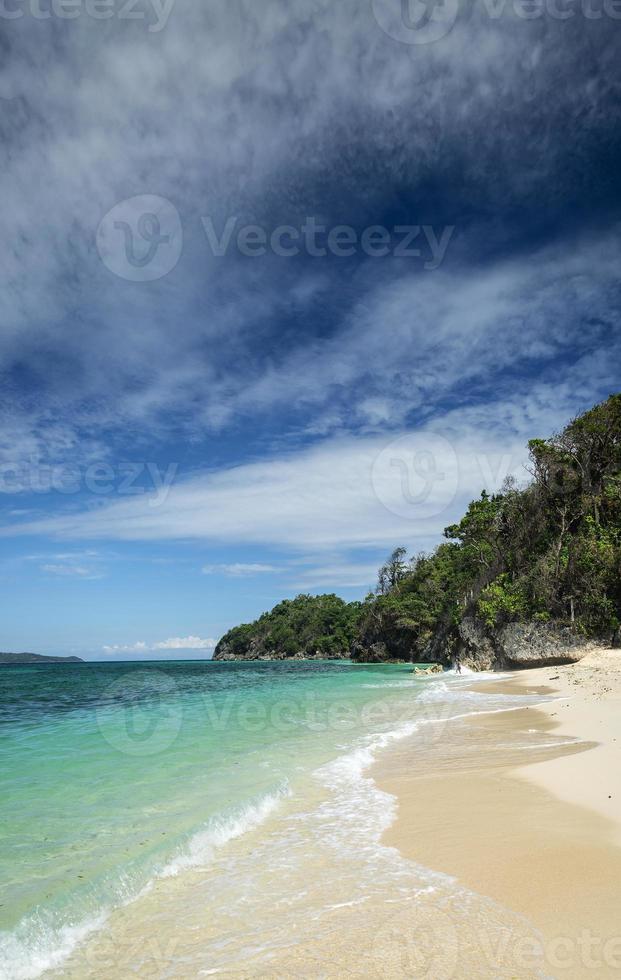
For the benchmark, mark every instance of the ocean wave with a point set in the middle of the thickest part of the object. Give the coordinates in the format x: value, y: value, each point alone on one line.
x: 201, y: 848
x: 39, y: 943
x: 35, y: 945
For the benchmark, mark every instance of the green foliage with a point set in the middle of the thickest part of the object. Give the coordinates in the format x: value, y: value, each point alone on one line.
x: 501, y: 601
x: 308, y: 626
x: 392, y: 571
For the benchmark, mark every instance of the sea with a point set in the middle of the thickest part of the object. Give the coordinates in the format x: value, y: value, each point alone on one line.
x: 189, y: 819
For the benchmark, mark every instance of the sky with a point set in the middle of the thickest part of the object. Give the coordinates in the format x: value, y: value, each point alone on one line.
x: 285, y: 285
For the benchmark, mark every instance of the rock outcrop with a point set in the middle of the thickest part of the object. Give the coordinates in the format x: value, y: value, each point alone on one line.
x: 517, y: 645
x: 255, y: 650
x: 375, y: 653
x: 510, y: 647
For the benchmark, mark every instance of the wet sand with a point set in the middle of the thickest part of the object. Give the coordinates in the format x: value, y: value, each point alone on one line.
x: 527, y: 811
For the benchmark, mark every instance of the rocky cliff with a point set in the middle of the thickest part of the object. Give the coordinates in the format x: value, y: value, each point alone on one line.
x: 516, y: 645
x: 513, y: 646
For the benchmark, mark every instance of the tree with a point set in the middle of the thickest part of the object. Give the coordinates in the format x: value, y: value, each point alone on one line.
x: 392, y: 571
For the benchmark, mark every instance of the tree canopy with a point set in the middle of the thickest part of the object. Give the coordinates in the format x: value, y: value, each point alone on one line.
x: 321, y: 626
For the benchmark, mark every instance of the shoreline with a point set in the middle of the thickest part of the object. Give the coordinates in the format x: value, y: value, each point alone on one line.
x: 537, y: 830
x: 506, y: 878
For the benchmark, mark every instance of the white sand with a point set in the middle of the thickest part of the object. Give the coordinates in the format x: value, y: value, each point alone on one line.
x: 589, y: 707
x: 542, y: 839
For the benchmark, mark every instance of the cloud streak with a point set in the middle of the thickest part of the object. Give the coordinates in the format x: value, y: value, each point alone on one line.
x: 173, y: 643
x: 240, y: 569
x: 344, y: 493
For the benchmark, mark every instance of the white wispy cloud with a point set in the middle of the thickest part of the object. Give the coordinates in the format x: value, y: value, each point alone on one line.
x: 173, y: 643
x: 410, y: 343
x: 86, y: 565
x: 240, y: 569
x: 343, y: 493
x: 70, y: 571
x: 335, y: 575
x: 139, y: 647
x: 185, y: 643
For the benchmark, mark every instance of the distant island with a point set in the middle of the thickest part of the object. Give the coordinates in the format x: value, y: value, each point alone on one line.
x: 527, y: 577
x: 36, y: 658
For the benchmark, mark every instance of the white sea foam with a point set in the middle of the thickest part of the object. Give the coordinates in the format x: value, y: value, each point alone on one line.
x: 403, y: 684
x: 202, y: 846
x: 362, y: 810
x: 36, y: 945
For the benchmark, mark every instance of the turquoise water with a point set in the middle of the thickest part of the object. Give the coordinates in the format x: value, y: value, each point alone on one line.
x: 116, y: 774
x: 160, y: 803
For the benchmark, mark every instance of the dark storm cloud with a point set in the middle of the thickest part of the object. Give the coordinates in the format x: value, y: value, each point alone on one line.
x: 272, y: 112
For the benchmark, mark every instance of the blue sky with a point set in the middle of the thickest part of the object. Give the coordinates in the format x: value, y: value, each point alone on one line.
x: 195, y: 423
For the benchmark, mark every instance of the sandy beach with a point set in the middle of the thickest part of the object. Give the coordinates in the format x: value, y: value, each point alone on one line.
x: 543, y: 838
